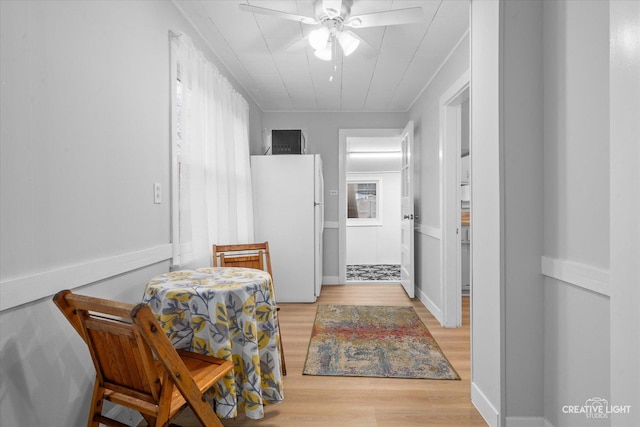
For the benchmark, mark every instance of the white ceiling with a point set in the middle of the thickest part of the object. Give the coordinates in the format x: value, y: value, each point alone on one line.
x: 254, y: 48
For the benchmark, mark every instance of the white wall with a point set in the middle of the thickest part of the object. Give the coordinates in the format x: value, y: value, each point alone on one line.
x: 85, y: 134
x: 576, y: 204
x: 83, y: 106
x: 522, y: 116
x: 487, y: 304
x: 589, y: 158
x: 378, y: 244
x: 624, y: 19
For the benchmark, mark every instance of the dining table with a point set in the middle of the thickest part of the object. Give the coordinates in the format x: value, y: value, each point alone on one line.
x: 229, y: 313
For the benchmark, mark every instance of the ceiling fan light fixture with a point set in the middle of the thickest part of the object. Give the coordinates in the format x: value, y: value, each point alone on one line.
x: 324, y: 54
x: 348, y: 42
x: 318, y: 39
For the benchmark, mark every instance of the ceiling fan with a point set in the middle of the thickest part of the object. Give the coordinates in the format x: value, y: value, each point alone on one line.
x: 333, y: 16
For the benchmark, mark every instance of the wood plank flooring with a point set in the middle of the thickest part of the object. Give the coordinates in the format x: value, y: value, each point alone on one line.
x: 371, y: 402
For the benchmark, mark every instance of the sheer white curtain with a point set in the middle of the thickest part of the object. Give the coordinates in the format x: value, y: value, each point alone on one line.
x: 211, y: 158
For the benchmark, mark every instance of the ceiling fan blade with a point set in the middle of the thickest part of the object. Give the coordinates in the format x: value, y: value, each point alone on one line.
x: 277, y: 14
x: 303, y: 43
x: 332, y: 8
x: 411, y: 15
x: 365, y: 48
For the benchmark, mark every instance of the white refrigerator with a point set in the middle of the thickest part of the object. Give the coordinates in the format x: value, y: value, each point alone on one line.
x: 288, y: 195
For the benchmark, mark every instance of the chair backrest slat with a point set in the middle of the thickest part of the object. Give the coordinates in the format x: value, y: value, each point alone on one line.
x: 249, y: 255
x: 117, y: 354
x: 135, y: 367
x: 121, y: 357
x: 246, y: 261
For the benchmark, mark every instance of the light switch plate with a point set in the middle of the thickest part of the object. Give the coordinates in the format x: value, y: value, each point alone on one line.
x: 157, y: 193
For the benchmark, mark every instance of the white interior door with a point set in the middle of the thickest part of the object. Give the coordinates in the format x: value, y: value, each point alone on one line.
x: 319, y: 222
x: 406, y: 230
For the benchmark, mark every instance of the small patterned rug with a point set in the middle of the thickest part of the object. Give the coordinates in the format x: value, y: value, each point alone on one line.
x: 374, y: 341
x: 373, y: 272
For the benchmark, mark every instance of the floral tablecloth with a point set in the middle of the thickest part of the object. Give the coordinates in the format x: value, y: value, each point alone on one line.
x: 229, y: 313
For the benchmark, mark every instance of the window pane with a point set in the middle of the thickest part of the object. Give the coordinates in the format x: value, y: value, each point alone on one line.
x: 179, y: 116
x: 362, y: 200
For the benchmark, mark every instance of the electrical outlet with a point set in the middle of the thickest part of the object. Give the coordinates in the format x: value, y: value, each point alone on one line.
x: 157, y: 193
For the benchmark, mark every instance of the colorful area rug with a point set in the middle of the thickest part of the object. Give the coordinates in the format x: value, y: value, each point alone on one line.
x: 374, y: 341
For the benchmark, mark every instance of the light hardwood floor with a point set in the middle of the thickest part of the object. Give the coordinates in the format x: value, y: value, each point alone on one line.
x: 349, y: 401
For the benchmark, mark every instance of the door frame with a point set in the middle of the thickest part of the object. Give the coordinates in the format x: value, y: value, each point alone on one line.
x: 450, y: 210
x: 343, y: 134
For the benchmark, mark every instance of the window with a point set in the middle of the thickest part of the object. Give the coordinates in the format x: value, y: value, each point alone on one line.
x: 211, y: 178
x: 363, y: 202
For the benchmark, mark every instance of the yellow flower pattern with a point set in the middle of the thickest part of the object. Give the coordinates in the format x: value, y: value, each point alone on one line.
x: 228, y: 313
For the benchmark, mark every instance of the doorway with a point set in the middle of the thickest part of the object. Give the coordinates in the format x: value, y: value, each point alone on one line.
x: 369, y: 227
x: 455, y: 196
x: 373, y: 173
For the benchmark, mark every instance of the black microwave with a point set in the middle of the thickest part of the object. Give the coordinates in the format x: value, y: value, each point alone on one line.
x: 287, y: 141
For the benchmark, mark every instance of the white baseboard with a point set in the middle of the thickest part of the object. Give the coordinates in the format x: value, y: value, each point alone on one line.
x: 484, y: 406
x: 22, y: 290
x: 431, y: 306
x: 427, y: 230
x: 331, y: 280
x: 526, y: 422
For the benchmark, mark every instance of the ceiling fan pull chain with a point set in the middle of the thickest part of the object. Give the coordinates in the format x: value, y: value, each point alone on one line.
x: 334, y: 59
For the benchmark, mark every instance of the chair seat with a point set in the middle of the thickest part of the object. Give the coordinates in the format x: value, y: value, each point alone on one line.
x: 204, y: 373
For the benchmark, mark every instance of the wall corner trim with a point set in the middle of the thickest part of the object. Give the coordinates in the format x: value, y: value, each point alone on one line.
x: 22, y: 290
x: 582, y: 275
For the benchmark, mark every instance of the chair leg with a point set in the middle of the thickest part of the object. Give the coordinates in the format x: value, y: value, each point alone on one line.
x: 283, y: 364
x: 151, y: 421
x: 95, y: 410
x: 164, y: 402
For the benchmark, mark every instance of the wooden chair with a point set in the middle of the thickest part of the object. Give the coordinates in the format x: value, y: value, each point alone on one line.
x: 249, y: 255
x: 136, y: 365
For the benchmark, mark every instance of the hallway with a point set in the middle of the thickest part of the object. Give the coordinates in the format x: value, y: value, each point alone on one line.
x: 366, y: 402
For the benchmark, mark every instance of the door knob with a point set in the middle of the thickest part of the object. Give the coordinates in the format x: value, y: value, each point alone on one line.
x: 408, y: 216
